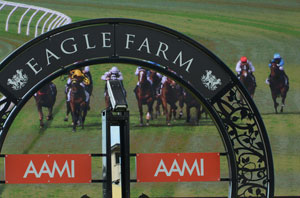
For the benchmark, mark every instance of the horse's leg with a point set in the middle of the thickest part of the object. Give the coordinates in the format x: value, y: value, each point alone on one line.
x: 40, y: 110
x: 198, y: 110
x: 50, y: 116
x: 140, y: 106
x: 158, y: 103
x: 181, y: 104
x: 74, y: 119
x: 68, y: 111
x: 283, y: 96
x: 275, y: 103
x: 165, y: 108
x: 188, y: 114
x: 150, y: 110
x: 84, y: 110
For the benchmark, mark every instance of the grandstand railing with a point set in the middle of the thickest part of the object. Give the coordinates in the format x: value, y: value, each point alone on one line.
x: 53, y: 18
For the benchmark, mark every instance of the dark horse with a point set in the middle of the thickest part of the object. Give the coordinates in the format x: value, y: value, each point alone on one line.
x: 190, y: 102
x: 156, y: 85
x: 170, y: 94
x: 278, y: 85
x: 78, y: 104
x: 247, y: 79
x: 144, y: 95
x: 46, y: 97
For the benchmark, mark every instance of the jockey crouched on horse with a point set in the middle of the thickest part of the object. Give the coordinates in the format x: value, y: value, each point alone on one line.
x: 113, y: 74
x: 84, y: 80
x: 245, y: 62
x: 280, y: 63
x: 137, y: 71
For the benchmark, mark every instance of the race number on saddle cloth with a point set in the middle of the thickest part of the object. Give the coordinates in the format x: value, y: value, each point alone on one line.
x: 77, y: 75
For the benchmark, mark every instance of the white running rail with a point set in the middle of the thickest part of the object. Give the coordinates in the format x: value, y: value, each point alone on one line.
x: 53, y: 20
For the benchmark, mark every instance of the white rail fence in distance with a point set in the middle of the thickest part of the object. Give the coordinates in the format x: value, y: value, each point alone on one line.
x: 52, y: 18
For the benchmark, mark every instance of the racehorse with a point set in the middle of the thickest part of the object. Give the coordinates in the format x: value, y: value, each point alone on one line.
x: 144, y: 95
x: 78, y: 104
x: 46, y: 97
x: 156, y: 85
x: 190, y: 102
x: 170, y: 93
x: 278, y: 85
x: 247, y: 79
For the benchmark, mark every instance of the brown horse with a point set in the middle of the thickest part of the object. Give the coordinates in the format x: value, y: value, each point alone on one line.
x: 170, y: 93
x: 278, y: 85
x: 144, y: 95
x: 156, y: 85
x: 78, y: 104
x: 248, y: 79
x: 46, y: 97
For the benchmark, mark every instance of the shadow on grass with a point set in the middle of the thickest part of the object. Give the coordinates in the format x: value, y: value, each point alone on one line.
x: 283, y: 113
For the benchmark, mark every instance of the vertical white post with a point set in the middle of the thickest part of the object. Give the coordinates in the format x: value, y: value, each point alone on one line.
x: 28, y: 24
x: 49, y: 27
x: 37, y: 24
x: 55, y: 25
x: 2, y: 6
x: 7, y: 20
x: 46, y: 22
x: 21, y: 19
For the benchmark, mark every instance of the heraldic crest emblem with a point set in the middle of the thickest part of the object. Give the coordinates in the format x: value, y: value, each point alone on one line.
x: 18, y: 80
x: 210, y: 81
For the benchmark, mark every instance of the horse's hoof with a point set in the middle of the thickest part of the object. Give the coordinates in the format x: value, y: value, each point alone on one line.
x: 74, y: 130
x: 66, y: 119
x: 49, y: 117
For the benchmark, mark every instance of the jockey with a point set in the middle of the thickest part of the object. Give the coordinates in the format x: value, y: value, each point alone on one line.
x: 137, y: 71
x: 244, y: 61
x: 88, y: 75
x: 113, y: 74
x: 77, y: 75
x: 280, y: 63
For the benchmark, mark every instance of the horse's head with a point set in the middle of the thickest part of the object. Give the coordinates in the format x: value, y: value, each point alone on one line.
x: 142, y: 76
x: 75, y: 86
x: 244, y: 69
x: 171, y: 82
x: 274, y: 69
x: 44, y: 90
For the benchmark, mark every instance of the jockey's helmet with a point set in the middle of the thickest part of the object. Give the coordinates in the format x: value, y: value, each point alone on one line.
x: 276, y: 55
x: 243, y: 59
x: 114, y: 70
x: 76, y: 73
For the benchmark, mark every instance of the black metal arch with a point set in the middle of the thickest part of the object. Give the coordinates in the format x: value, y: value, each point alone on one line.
x: 153, y: 46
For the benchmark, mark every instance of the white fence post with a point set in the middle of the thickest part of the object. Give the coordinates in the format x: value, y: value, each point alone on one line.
x: 8, y: 17
x: 21, y: 19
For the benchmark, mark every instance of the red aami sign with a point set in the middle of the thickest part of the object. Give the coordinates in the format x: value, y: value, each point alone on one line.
x: 44, y: 168
x: 178, y: 167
